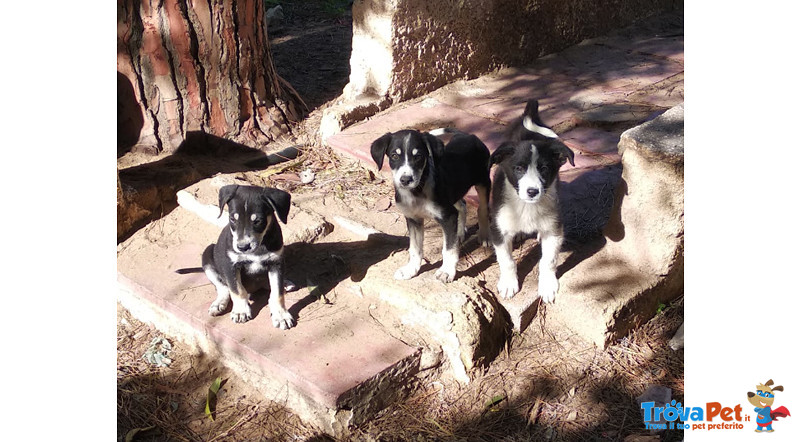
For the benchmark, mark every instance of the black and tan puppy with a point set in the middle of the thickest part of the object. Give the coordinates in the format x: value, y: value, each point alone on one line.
x: 525, y: 199
x: 248, y: 255
x: 430, y: 181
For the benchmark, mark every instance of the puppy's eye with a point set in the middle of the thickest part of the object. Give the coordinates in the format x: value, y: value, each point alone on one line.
x: 519, y: 170
x: 394, y: 157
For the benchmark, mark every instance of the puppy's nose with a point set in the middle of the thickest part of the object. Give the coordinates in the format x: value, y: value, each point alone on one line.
x: 244, y: 246
x: 405, y: 180
x: 532, y: 192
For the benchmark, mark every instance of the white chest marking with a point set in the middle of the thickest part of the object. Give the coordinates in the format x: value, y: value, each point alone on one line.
x: 417, y: 207
x: 255, y: 262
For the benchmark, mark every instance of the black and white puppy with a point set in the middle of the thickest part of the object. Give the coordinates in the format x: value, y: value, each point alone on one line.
x: 248, y: 255
x: 525, y: 199
x: 430, y: 181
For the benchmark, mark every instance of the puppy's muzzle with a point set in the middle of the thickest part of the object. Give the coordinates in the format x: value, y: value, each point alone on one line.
x: 532, y: 192
x: 244, y: 246
x: 405, y: 180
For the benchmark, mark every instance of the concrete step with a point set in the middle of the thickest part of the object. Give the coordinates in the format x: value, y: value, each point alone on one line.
x: 336, y: 368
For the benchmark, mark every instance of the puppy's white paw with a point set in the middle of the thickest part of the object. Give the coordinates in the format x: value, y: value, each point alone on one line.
x: 282, y: 319
x: 241, y: 315
x: 483, y: 238
x: 408, y: 271
x: 218, y: 307
x: 548, y: 287
x: 507, y: 286
x: 445, y: 275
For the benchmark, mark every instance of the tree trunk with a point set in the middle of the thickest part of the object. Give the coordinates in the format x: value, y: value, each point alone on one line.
x: 198, y: 66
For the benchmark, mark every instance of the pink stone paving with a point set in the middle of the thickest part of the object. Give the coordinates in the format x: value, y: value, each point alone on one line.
x: 306, y: 355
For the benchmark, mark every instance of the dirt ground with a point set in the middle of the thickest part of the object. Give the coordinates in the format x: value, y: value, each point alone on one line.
x: 548, y: 385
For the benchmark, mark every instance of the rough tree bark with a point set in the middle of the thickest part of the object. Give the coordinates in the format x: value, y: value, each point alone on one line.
x: 200, y: 66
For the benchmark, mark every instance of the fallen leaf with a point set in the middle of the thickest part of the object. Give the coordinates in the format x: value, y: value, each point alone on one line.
x: 490, y: 406
x: 132, y: 434
x: 286, y: 177
x: 383, y: 203
x: 572, y: 415
x: 211, y: 398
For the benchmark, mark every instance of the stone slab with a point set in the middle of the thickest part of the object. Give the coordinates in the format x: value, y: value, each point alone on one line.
x: 319, y: 368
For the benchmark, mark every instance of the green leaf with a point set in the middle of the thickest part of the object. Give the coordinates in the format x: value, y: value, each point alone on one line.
x: 211, y: 398
x: 493, y: 402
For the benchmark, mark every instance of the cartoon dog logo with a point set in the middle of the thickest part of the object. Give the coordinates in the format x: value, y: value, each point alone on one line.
x: 763, y: 399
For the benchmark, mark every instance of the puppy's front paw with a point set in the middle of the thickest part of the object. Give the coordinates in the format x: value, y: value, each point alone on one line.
x: 408, y: 271
x: 218, y: 308
x: 548, y: 287
x: 445, y: 275
x: 507, y: 286
x: 241, y: 315
x: 282, y: 319
x: 483, y: 238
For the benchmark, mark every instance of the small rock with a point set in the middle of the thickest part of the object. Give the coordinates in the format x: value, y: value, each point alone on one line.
x: 676, y: 343
x: 658, y: 394
x: 274, y: 17
x: 307, y: 176
x: 158, y: 352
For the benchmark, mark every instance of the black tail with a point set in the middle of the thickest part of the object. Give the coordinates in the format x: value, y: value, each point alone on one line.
x: 189, y: 270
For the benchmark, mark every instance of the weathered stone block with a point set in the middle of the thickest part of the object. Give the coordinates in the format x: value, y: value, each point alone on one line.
x: 618, y: 287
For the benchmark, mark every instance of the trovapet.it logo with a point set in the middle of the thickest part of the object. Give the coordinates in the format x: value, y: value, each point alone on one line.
x: 715, y: 416
x: 763, y: 399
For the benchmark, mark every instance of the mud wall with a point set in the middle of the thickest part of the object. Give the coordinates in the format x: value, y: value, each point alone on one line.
x: 405, y: 48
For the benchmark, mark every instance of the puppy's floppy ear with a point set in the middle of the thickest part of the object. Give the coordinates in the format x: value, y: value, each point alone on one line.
x: 564, y: 153
x: 501, y: 153
x: 435, y: 145
x: 378, y: 148
x: 226, y: 194
x: 279, y: 200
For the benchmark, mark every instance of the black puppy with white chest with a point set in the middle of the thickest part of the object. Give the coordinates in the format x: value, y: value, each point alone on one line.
x: 430, y: 181
x: 525, y: 199
x: 248, y: 255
